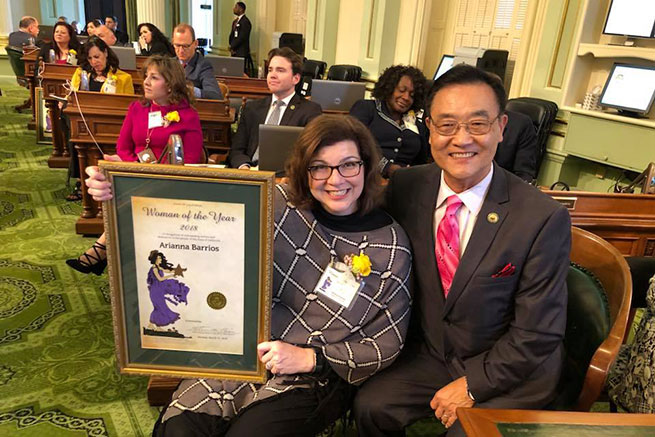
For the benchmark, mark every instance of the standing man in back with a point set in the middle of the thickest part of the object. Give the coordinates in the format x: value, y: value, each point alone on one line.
x: 240, y: 37
x: 284, y: 107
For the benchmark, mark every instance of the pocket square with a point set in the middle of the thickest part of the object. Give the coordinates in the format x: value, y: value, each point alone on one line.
x: 508, y: 270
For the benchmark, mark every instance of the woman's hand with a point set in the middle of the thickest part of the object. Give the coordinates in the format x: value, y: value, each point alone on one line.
x: 285, y: 359
x: 97, y: 184
x: 142, y: 42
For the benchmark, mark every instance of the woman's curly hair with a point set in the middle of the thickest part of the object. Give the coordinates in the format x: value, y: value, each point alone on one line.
x: 390, y: 77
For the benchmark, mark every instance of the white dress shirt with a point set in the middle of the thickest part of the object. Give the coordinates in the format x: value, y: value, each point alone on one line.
x: 467, y: 214
x: 286, y: 101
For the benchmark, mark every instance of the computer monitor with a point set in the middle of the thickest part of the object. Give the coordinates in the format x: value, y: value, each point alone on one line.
x: 336, y: 95
x: 275, y: 145
x: 445, y: 65
x: 126, y: 57
x: 634, y: 18
x: 226, y: 65
x: 630, y: 89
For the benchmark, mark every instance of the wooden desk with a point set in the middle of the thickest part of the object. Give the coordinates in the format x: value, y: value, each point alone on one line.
x: 104, y: 114
x: 29, y: 59
x: 627, y: 221
x: 480, y: 422
x: 245, y: 87
x: 55, y: 75
x: 60, y: 157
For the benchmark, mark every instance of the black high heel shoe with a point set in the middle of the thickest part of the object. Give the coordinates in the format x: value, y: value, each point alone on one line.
x: 90, y: 262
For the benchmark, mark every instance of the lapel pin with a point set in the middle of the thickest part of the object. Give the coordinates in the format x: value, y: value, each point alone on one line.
x: 492, y: 217
x: 292, y: 107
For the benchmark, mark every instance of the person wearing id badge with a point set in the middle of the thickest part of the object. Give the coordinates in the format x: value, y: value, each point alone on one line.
x: 164, y: 109
x: 239, y: 39
x: 395, y: 118
x: 341, y: 295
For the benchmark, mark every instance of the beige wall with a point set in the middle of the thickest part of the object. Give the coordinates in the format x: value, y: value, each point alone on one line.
x: 20, y: 8
x: 351, y: 14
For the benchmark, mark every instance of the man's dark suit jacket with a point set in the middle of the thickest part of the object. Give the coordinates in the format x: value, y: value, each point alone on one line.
x: 240, y: 44
x: 121, y: 36
x: 517, y: 153
x: 299, y: 112
x: 201, y: 73
x: 504, y: 333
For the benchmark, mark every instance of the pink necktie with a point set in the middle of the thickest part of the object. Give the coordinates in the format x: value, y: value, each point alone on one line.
x: 447, y: 246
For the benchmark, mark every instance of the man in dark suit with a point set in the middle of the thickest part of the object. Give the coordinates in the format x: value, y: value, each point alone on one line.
x: 491, y: 254
x: 112, y: 23
x: 197, y: 69
x: 240, y: 36
x: 284, y: 107
x: 517, y: 153
x: 28, y: 29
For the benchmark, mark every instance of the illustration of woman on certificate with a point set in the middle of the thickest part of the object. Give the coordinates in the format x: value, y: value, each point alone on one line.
x: 163, y: 290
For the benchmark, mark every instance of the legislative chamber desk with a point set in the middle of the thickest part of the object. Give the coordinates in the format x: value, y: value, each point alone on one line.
x: 627, y: 221
x: 29, y: 59
x: 481, y: 422
x: 104, y: 114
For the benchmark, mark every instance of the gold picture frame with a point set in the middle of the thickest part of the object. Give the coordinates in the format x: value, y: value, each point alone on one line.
x: 203, y: 317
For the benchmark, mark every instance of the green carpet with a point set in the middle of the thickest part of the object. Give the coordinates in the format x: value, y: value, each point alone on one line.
x: 58, y: 373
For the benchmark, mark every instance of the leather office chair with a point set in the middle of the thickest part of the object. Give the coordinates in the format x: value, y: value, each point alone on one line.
x: 600, y: 291
x: 18, y: 66
x: 314, y: 69
x: 542, y: 113
x: 346, y: 73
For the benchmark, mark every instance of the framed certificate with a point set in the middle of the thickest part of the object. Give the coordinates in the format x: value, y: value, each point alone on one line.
x: 190, y: 265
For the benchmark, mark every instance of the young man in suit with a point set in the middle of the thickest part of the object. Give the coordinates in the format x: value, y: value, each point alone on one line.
x: 196, y: 68
x: 240, y: 36
x: 284, y: 107
x: 491, y: 254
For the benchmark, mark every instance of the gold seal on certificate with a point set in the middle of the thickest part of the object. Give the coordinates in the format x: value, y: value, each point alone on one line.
x: 216, y: 300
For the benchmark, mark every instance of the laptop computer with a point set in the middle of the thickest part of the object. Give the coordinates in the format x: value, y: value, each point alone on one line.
x: 445, y: 65
x: 126, y: 57
x: 226, y: 65
x: 275, y: 145
x: 337, y: 95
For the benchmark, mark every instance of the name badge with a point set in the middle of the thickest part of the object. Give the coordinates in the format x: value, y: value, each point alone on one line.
x: 155, y: 120
x: 236, y: 33
x: 339, y: 284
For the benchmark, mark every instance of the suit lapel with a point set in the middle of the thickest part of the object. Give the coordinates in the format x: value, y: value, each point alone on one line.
x: 263, y: 110
x: 425, y: 217
x: 482, y: 236
x: 290, y: 110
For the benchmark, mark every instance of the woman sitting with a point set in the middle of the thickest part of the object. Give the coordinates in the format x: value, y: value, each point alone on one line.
x: 153, y: 42
x: 91, y: 27
x: 64, y: 43
x: 326, y: 218
x: 98, y: 71
x: 100, y: 65
x: 395, y: 117
x: 164, y: 110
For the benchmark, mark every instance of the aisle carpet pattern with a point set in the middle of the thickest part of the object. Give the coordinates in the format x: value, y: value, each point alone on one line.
x: 58, y: 374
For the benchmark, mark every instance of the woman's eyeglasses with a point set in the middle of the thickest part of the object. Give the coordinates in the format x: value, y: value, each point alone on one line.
x: 347, y: 170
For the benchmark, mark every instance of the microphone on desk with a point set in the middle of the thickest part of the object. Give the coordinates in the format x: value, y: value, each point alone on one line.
x: 173, y: 153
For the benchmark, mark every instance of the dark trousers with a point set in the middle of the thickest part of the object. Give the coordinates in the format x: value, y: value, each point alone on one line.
x: 401, y: 395
x: 293, y: 413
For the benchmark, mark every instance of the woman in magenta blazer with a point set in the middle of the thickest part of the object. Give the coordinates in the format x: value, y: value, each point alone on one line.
x: 164, y: 109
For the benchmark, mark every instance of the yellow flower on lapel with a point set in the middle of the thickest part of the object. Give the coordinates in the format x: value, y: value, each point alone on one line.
x: 171, y: 117
x: 72, y: 52
x: 292, y: 107
x: 361, y: 265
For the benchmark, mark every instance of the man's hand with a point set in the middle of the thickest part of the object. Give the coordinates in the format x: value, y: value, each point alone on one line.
x: 446, y: 401
x: 285, y: 359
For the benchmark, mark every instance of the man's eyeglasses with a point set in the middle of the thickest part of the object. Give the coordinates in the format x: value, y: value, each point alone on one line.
x: 347, y: 170
x: 182, y: 46
x: 448, y: 128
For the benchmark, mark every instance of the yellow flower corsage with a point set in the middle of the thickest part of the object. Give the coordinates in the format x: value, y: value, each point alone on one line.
x: 171, y: 117
x: 72, y: 52
x: 360, y: 264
